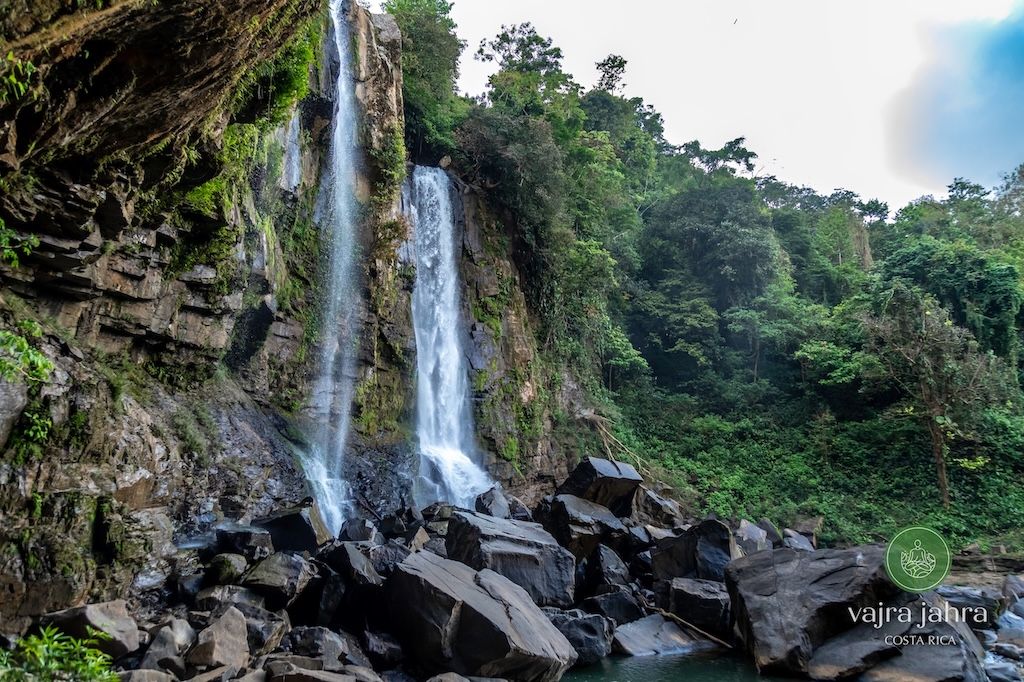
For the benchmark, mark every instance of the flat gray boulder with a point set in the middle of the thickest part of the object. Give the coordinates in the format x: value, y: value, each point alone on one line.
x: 654, y: 635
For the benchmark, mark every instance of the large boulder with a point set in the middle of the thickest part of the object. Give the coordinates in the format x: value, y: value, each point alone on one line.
x: 333, y: 649
x: 702, y: 603
x: 604, y: 569
x: 523, y: 552
x: 619, y: 606
x: 604, y: 481
x: 252, y: 543
x: 653, y: 635
x: 578, y: 524
x: 786, y: 602
x: 111, y: 618
x: 702, y: 551
x: 299, y: 529
x: 650, y: 507
x: 981, y: 606
x: 224, y: 642
x: 493, y: 503
x: 478, y: 623
x: 280, y: 578
x: 589, y: 633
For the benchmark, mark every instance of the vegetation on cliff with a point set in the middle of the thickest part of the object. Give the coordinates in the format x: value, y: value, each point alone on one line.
x: 775, y: 351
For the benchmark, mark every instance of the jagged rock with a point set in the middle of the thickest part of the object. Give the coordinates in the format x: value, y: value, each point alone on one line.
x: 223, y: 643
x: 604, y: 569
x: 607, y: 482
x: 1008, y: 651
x: 493, y: 503
x: 212, y: 598
x: 1013, y: 588
x: 299, y: 529
x: 518, y: 510
x: 110, y: 618
x: 702, y: 551
x: 703, y: 603
x: 361, y: 530
x: 169, y: 642
x: 145, y: 676
x: 620, y: 606
x: 279, y: 578
x: 521, y: 551
x: 264, y: 629
x: 383, y: 649
x: 351, y: 564
x: 809, y: 528
x: 854, y: 651
x: 651, y: 508
x: 973, y: 601
x: 590, y: 634
x: 578, y: 525
x: 795, y: 540
x: 334, y: 649
x: 219, y: 674
x: 751, y: 538
x: 225, y: 569
x: 477, y: 623
x: 788, y: 602
x: 652, y: 635
x: 385, y: 557
x: 13, y: 399
x: 772, y: 531
x: 252, y: 543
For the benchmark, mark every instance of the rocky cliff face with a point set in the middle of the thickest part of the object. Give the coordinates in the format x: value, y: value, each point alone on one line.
x: 175, y: 278
x: 177, y: 281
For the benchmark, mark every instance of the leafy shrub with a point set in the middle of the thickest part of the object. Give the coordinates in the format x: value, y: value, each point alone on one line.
x: 53, y: 656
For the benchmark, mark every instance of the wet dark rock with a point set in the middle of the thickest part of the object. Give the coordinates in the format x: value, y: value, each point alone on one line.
x: 620, y: 606
x: 702, y: 603
x: 1013, y: 588
x: 493, y: 503
x: 299, y: 529
x: 650, y: 507
x: 361, y: 530
x: 110, y: 618
x: 590, y: 634
x: 606, y: 482
x: 169, y: 641
x: 772, y: 531
x: 349, y: 560
x: 604, y: 569
x: 145, y: 676
x: 653, y: 635
x: 264, y: 629
x: 252, y: 543
x: 521, y: 551
x: 702, y: 551
x: 385, y: 557
x: 578, y: 524
x: 280, y: 578
x: 334, y: 649
x: 475, y: 623
x: 383, y: 649
x: 1002, y: 671
x: 786, y: 602
x: 518, y: 510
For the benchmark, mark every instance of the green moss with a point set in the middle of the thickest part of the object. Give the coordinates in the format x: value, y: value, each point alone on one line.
x: 31, y: 432
x: 510, y: 449
x: 389, y: 165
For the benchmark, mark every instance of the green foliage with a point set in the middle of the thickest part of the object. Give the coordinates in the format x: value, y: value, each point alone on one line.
x: 15, y: 78
x: 12, y: 246
x: 19, y: 360
x: 52, y: 655
x: 430, y: 62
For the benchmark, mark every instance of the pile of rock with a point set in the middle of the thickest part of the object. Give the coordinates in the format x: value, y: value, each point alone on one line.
x: 604, y: 565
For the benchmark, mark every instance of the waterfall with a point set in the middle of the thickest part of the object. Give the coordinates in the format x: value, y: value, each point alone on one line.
x: 292, y: 173
x: 444, y: 419
x: 337, y: 214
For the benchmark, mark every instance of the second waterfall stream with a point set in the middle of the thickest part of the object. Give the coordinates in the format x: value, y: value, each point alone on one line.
x: 449, y: 468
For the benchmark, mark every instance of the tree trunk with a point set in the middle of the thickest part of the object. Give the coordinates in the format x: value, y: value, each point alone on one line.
x: 939, y: 453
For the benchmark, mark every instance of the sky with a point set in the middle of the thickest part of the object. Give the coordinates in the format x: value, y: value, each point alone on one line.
x: 889, y: 98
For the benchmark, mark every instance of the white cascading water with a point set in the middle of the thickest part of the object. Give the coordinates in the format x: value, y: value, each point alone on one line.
x: 337, y: 214
x: 444, y: 419
x: 291, y: 174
